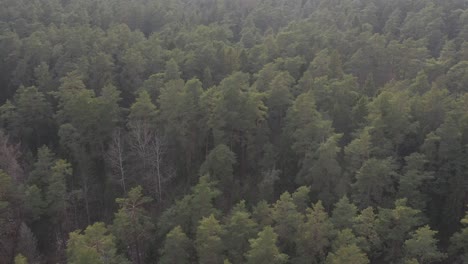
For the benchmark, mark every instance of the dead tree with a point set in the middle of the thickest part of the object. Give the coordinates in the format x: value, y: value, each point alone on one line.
x: 150, y: 150
x: 116, y: 157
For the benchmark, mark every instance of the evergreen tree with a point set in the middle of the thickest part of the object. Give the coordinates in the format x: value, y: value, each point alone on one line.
x: 188, y: 211
x: 314, y: 236
x: 366, y: 226
x: 177, y: 247
x: 423, y: 246
x: 348, y: 254
x: 394, y: 227
x: 219, y: 166
x: 412, y: 181
x: 301, y: 198
x: 172, y: 70
x: 459, y: 243
x: 94, y: 246
x: 287, y: 220
x: 375, y: 182
x: 240, y: 227
x: 208, y: 242
x: 20, y: 259
x: 132, y: 224
x: 57, y: 196
x: 263, y: 249
x: 343, y: 214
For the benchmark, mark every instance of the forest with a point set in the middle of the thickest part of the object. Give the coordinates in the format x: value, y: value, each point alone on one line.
x: 233, y: 131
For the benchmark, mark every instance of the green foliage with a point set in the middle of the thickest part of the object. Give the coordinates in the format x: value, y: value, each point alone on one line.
x: 314, y: 236
x: 422, y: 246
x: 32, y: 116
x: 56, y: 196
x: 20, y: 259
x: 306, y: 125
x: 143, y: 110
x: 394, y: 227
x: 301, y: 198
x: 132, y: 224
x: 344, y: 238
x: 94, y: 246
x: 33, y: 201
x: 348, y: 254
x: 262, y: 213
x: 366, y: 226
x: 333, y: 99
x: 375, y: 182
x: 172, y: 70
x: 412, y: 180
x: 188, y: 211
x: 322, y: 171
x: 92, y: 124
x: 219, y: 166
x: 459, y: 242
x: 343, y: 214
x: 286, y: 218
x: 236, y: 110
x: 263, y: 249
x: 176, y: 247
x: 240, y: 227
x: 42, y: 167
x: 208, y: 242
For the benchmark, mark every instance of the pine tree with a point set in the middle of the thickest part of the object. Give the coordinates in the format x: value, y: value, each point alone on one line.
x: 188, y: 211
x: 413, y: 179
x: 239, y: 229
x: 287, y: 220
x: 20, y: 259
x: 365, y: 225
x: 375, y: 182
x: 94, y: 246
x: 349, y: 254
x: 177, y: 247
x: 262, y: 214
x: 172, y: 70
x: 314, y: 236
x: 394, y: 227
x: 56, y: 196
x: 132, y: 224
x: 301, y: 198
x: 263, y: 249
x: 458, y: 249
x: 344, y: 213
x: 208, y: 241
x: 422, y: 246
x: 219, y: 166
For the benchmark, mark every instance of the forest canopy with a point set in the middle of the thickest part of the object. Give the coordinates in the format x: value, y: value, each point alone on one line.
x: 233, y: 131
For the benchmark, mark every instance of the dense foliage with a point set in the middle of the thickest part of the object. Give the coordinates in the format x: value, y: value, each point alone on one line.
x: 233, y: 131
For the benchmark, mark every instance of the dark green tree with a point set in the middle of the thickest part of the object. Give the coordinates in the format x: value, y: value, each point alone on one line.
x: 422, y: 246
x: 94, y: 246
x: 208, y: 242
x: 263, y: 249
x: 344, y: 213
x: 132, y: 224
x: 314, y: 236
x: 240, y: 227
x: 177, y: 247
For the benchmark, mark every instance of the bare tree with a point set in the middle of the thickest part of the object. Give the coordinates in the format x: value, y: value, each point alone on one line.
x: 159, y: 148
x: 116, y: 157
x: 9, y: 158
x: 141, y: 135
x: 10, y: 219
x: 150, y: 150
